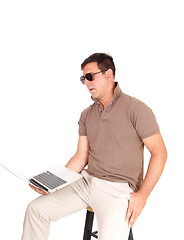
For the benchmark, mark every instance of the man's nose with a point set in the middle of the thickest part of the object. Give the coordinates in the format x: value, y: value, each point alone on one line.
x: 86, y: 82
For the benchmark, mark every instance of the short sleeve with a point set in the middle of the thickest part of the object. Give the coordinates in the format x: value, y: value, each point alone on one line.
x: 144, y: 121
x: 82, y: 124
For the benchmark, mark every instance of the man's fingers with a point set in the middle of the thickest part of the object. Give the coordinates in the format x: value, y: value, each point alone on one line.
x: 136, y: 205
x: 131, y: 217
x: 128, y: 215
x: 38, y: 190
x: 132, y: 220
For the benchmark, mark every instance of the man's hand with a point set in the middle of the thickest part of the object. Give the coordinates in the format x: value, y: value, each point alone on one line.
x: 136, y: 205
x: 156, y: 147
x: 38, y: 190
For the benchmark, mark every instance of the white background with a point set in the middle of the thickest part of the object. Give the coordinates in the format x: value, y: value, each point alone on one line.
x: 42, y: 44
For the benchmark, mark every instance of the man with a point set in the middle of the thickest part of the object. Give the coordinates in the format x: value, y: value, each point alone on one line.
x: 112, y: 135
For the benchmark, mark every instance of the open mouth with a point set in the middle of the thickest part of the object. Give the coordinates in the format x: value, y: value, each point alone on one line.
x: 91, y: 89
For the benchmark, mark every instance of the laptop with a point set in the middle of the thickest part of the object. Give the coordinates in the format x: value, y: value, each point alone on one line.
x: 50, y: 180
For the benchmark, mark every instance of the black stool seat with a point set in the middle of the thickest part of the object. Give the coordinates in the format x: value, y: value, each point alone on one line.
x: 89, y: 224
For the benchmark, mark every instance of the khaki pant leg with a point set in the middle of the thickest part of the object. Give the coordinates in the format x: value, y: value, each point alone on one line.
x: 109, y: 201
x: 52, y: 207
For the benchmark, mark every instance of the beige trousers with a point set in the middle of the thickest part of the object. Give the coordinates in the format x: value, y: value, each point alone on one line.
x: 109, y: 200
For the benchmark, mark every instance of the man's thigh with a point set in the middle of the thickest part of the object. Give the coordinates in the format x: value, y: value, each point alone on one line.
x: 64, y: 202
x: 110, y: 202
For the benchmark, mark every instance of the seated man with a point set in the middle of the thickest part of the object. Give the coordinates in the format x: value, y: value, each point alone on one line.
x: 112, y: 135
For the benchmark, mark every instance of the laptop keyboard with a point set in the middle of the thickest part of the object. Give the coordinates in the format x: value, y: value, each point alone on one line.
x: 48, y: 179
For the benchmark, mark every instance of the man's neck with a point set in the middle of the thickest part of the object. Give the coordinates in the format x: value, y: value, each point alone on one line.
x: 108, y: 97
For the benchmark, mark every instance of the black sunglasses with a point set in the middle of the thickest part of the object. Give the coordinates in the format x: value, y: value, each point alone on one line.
x: 89, y: 76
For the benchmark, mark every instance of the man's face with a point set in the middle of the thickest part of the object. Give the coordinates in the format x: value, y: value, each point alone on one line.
x: 98, y: 86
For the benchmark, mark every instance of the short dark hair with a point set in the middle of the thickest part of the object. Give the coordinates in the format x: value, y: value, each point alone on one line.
x: 103, y: 60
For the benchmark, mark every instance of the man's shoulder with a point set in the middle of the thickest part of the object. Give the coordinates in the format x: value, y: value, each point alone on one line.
x: 130, y: 101
x: 88, y: 109
x: 133, y: 105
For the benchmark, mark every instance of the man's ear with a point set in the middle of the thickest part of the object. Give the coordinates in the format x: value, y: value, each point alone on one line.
x: 109, y: 74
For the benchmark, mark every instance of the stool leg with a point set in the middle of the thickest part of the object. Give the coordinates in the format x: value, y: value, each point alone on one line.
x: 130, y: 235
x: 88, y: 225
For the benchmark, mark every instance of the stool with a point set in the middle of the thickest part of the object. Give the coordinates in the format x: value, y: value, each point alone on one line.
x: 89, y: 224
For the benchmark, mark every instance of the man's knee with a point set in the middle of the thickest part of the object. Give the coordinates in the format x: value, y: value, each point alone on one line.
x: 33, y: 208
x: 38, y: 209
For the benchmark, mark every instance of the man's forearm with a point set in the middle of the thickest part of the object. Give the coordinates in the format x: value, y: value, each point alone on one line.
x: 156, y: 147
x: 155, y: 169
x: 80, y: 159
x: 76, y: 164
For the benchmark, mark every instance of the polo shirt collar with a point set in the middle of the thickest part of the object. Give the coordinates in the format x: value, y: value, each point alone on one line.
x: 117, y: 93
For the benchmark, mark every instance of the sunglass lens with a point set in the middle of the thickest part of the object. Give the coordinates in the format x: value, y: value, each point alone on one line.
x: 89, y: 77
x: 82, y: 79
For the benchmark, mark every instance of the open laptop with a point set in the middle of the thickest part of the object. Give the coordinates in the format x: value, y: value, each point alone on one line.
x: 50, y: 180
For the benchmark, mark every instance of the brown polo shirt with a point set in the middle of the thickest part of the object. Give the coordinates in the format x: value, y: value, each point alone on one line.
x: 115, y: 138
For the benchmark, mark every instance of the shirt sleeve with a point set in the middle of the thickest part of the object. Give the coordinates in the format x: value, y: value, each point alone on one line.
x: 144, y: 121
x: 82, y: 124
